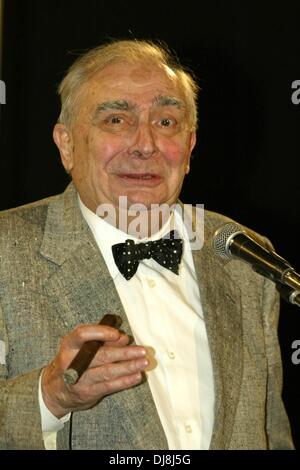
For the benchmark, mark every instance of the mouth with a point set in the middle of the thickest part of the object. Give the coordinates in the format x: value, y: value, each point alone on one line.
x: 146, y: 179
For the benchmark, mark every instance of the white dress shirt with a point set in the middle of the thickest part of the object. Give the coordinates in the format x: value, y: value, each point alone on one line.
x: 165, y: 314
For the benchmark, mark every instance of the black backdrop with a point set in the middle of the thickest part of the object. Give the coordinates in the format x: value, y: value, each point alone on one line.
x: 246, y: 164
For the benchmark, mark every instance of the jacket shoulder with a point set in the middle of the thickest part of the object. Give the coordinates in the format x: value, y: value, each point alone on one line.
x: 214, y: 221
x: 18, y: 221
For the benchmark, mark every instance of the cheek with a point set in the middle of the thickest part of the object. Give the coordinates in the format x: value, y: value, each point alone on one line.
x: 104, y: 150
x: 176, y: 154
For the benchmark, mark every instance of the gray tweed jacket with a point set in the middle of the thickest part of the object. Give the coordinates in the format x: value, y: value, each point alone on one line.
x: 52, y: 277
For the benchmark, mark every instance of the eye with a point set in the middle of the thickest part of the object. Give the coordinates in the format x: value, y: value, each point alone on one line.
x: 167, y: 125
x: 114, y: 120
x: 116, y: 123
x: 166, y: 122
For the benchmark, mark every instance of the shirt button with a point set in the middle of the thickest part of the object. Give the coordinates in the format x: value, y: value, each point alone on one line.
x: 188, y: 428
x: 151, y: 283
x: 171, y: 355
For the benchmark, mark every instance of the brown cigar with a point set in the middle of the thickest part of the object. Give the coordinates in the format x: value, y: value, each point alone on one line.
x: 87, y: 352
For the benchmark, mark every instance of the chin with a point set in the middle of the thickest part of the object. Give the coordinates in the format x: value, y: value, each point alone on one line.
x: 143, y: 199
x: 146, y: 202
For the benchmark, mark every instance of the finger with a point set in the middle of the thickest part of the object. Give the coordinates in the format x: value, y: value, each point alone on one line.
x: 110, y: 372
x: 83, y: 333
x: 83, y: 397
x: 123, y: 340
x: 121, y: 383
x: 109, y: 354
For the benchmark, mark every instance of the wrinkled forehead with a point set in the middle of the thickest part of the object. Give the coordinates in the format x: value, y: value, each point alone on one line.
x: 143, y: 78
x: 138, y: 71
x: 140, y: 85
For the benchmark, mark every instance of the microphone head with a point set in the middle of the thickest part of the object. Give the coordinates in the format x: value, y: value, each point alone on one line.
x: 223, y: 237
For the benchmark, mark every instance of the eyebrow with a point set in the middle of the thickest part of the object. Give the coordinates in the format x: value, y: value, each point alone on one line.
x: 123, y: 105
x: 168, y: 101
x: 119, y: 105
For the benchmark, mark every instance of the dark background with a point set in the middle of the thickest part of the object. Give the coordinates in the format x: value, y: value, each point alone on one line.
x: 246, y: 164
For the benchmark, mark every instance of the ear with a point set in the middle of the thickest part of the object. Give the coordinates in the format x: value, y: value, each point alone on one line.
x: 63, y: 139
x: 192, y: 145
x: 192, y: 141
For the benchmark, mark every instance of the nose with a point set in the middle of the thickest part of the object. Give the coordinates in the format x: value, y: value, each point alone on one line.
x: 143, y: 145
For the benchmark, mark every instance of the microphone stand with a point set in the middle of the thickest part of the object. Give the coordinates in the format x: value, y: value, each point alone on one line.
x: 289, y: 294
x: 288, y: 291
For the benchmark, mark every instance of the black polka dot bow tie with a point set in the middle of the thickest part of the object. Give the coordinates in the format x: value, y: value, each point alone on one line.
x: 167, y: 252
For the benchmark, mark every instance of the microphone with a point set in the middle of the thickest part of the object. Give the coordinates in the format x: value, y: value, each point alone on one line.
x: 231, y: 240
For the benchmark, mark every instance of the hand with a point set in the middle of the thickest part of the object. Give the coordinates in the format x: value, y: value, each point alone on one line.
x: 115, y: 367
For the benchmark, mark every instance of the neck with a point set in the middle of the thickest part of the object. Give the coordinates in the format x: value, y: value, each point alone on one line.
x: 139, y: 223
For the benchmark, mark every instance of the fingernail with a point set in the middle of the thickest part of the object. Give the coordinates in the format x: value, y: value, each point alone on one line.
x: 144, y: 362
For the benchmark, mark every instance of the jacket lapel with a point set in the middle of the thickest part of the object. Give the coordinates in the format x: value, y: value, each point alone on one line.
x: 81, y: 290
x: 221, y: 305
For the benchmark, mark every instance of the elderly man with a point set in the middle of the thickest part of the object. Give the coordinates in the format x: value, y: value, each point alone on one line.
x: 196, y: 363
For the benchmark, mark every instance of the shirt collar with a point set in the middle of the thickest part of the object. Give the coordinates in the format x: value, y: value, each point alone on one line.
x: 106, y: 235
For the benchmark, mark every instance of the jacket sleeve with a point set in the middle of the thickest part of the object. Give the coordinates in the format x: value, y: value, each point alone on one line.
x: 277, y: 423
x: 20, y: 422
